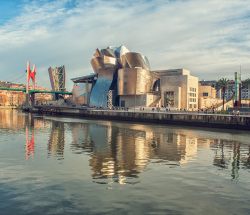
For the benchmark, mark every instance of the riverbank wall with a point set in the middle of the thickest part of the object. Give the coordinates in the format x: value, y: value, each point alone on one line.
x: 10, y: 107
x: 223, y: 121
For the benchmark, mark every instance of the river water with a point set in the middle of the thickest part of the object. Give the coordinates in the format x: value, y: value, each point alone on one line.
x: 56, y: 165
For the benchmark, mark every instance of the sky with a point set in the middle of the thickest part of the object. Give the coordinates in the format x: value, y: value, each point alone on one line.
x: 209, y: 38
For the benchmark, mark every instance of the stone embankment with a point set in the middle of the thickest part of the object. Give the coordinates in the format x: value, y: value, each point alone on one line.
x: 224, y: 121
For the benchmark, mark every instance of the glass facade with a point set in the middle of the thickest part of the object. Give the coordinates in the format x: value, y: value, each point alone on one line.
x: 99, y: 94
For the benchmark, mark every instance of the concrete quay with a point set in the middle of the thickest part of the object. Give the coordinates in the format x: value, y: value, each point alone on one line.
x: 224, y: 121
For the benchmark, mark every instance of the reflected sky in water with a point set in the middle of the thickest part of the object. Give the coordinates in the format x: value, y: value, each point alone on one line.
x: 55, y: 165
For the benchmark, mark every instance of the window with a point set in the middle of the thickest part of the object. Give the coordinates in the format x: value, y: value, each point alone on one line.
x: 191, y: 89
x: 169, y: 98
x: 205, y: 94
x: 192, y: 94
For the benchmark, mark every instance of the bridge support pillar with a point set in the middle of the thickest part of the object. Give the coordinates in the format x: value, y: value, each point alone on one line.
x: 27, y: 98
x: 32, y: 99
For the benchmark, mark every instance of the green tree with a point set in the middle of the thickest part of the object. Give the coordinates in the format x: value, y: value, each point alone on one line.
x: 222, y: 84
x: 246, y: 83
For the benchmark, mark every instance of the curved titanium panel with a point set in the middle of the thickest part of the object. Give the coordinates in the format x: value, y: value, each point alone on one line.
x: 126, y: 81
x: 144, y: 81
x: 97, y: 53
x: 133, y: 81
x: 108, y: 52
x: 132, y: 60
x: 109, y: 61
x: 121, y: 50
x: 146, y: 62
x: 108, y: 73
x: 97, y: 63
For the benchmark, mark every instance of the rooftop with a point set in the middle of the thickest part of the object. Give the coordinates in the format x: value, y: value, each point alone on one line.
x: 83, y: 79
x: 172, y: 72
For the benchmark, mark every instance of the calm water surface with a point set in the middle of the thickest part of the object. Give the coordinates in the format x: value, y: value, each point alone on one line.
x: 52, y: 165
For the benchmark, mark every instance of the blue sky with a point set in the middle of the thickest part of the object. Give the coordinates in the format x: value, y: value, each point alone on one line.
x: 9, y: 9
x: 210, y: 38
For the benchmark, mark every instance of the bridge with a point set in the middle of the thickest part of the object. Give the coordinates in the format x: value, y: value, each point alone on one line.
x: 57, y: 79
x: 30, y: 96
x: 34, y: 91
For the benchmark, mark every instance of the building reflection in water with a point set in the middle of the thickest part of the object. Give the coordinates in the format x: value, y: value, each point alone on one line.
x: 31, y: 125
x: 231, y: 155
x: 81, y: 140
x: 15, y: 120
x: 56, y: 140
x: 121, y: 153
x: 11, y: 119
x: 246, y: 159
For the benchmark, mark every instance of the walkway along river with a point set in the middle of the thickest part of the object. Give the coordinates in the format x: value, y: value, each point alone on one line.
x: 224, y: 121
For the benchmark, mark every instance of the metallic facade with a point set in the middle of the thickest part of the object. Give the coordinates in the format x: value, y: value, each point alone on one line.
x: 57, y: 78
x: 81, y: 93
x: 105, y: 63
x: 134, y: 78
x: 134, y: 81
x: 134, y: 60
x: 82, y: 88
x: 118, y: 72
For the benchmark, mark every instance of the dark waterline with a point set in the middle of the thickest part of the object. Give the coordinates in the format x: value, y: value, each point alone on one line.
x: 52, y: 165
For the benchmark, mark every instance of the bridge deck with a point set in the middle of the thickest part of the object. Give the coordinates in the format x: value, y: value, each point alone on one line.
x: 35, y: 91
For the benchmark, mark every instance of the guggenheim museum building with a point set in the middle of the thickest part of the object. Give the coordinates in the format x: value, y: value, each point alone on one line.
x: 124, y: 78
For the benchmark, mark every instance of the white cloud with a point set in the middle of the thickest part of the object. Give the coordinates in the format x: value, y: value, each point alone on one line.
x: 211, y: 38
